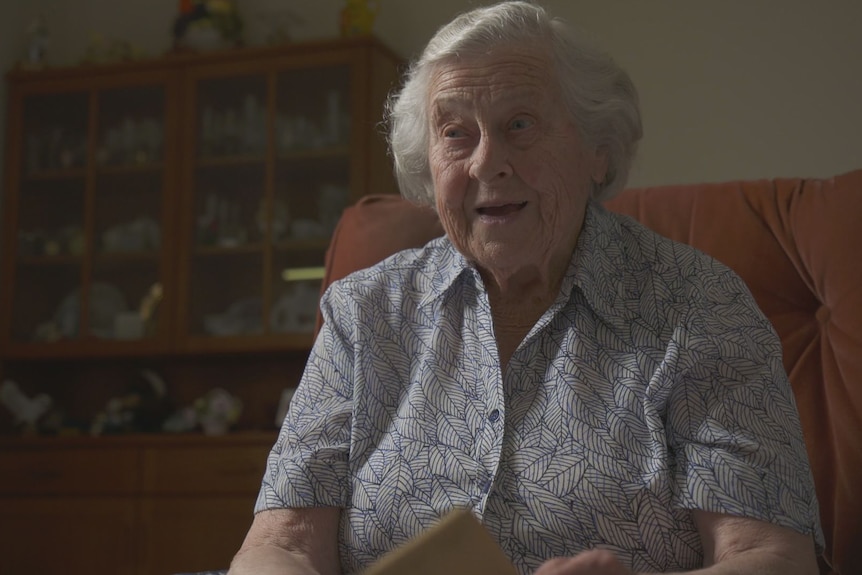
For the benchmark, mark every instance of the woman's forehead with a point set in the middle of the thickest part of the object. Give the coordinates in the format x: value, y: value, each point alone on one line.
x: 498, y: 77
x: 500, y: 100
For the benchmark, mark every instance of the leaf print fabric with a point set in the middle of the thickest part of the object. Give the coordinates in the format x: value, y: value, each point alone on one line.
x: 651, y: 387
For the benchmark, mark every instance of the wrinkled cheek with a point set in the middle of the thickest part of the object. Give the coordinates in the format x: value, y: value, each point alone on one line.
x: 559, y: 215
x: 451, y: 183
x: 549, y: 226
x: 455, y: 226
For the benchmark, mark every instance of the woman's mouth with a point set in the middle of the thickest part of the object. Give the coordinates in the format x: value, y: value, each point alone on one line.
x: 502, y: 210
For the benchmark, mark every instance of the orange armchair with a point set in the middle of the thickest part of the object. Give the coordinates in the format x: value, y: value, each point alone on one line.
x: 797, y: 243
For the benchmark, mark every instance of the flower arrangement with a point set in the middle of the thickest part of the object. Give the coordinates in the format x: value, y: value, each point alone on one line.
x: 207, y: 24
x: 217, y: 411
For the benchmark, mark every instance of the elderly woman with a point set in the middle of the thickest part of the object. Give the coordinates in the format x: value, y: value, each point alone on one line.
x: 604, y: 400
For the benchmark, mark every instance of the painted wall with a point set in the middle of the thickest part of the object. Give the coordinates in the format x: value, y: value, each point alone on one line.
x: 742, y: 89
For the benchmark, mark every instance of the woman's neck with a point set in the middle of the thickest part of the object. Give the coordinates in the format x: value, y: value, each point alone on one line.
x: 515, y: 315
x: 519, y: 297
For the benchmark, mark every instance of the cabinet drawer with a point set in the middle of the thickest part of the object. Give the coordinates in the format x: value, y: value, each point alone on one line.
x: 61, y: 471
x: 71, y: 535
x: 202, y: 470
x: 191, y: 534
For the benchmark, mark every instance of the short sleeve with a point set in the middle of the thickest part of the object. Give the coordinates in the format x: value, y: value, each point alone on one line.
x: 733, y: 426
x: 308, y: 465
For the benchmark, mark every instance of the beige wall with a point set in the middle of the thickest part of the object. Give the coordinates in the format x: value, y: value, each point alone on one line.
x: 730, y: 88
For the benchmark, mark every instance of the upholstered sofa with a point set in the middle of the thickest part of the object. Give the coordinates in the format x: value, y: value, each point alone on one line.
x: 798, y: 245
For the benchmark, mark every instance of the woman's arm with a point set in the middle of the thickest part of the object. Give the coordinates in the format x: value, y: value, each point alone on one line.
x: 731, y: 546
x: 741, y: 545
x: 290, y: 542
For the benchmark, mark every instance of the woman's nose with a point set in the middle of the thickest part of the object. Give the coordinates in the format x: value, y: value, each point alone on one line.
x: 490, y: 159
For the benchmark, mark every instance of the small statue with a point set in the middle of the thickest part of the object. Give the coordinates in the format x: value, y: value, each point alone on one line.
x: 26, y: 410
x: 150, y: 306
x: 357, y: 17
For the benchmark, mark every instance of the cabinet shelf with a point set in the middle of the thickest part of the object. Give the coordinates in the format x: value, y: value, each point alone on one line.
x: 293, y: 155
x: 303, y: 154
x: 229, y: 161
x: 231, y: 251
x: 130, y: 169
x: 49, y: 261
x: 135, y: 440
x: 117, y: 258
x: 85, y: 348
x: 297, y: 245
x: 56, y: 175
x: 250, y: 343
x: 290, y: 245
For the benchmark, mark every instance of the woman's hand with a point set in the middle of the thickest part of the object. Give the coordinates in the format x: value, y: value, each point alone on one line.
x: 593, y: 562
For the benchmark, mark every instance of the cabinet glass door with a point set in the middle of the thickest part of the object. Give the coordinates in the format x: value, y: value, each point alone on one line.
x: 51, y: 234
x: 89, y: 263
x: 311, y: 188
x: 128, y: 214
x: 272, y: 176
x: 229, y: 206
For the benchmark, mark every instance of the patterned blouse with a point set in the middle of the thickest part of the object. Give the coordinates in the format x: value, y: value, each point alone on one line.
x: 652, y: 386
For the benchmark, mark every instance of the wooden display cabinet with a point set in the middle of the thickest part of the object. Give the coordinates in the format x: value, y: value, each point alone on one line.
x: 170, y: 215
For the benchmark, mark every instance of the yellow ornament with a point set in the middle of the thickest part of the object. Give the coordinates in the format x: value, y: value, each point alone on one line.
x: 357, y: 17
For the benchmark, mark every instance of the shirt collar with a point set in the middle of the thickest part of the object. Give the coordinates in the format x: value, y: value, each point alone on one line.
x: 450, y: 264
x: 598, y: 262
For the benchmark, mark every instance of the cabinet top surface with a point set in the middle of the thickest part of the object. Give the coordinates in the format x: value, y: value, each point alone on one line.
x: 189, y: 59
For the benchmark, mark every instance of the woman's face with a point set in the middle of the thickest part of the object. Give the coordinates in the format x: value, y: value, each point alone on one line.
x: 511, y: 175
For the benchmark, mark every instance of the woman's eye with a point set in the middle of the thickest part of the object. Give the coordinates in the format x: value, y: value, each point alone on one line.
x: 452, y: 132
x: 520, y: 124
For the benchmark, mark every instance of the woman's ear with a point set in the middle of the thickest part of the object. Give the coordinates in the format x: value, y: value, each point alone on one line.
x: 600, y: 165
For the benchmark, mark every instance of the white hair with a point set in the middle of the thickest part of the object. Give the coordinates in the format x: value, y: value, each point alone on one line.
x: 599, y: 94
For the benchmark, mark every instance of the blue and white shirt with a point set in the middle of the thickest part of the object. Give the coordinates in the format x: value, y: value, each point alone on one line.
x: 652, y: 386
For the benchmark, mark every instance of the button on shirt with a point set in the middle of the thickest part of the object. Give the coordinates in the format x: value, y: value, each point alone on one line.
x: 651, y: 387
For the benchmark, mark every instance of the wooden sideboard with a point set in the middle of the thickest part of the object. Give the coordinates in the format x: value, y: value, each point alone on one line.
x: 131, y: 505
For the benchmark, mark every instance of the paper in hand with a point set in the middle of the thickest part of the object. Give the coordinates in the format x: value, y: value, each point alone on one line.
x: 457, y: 545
